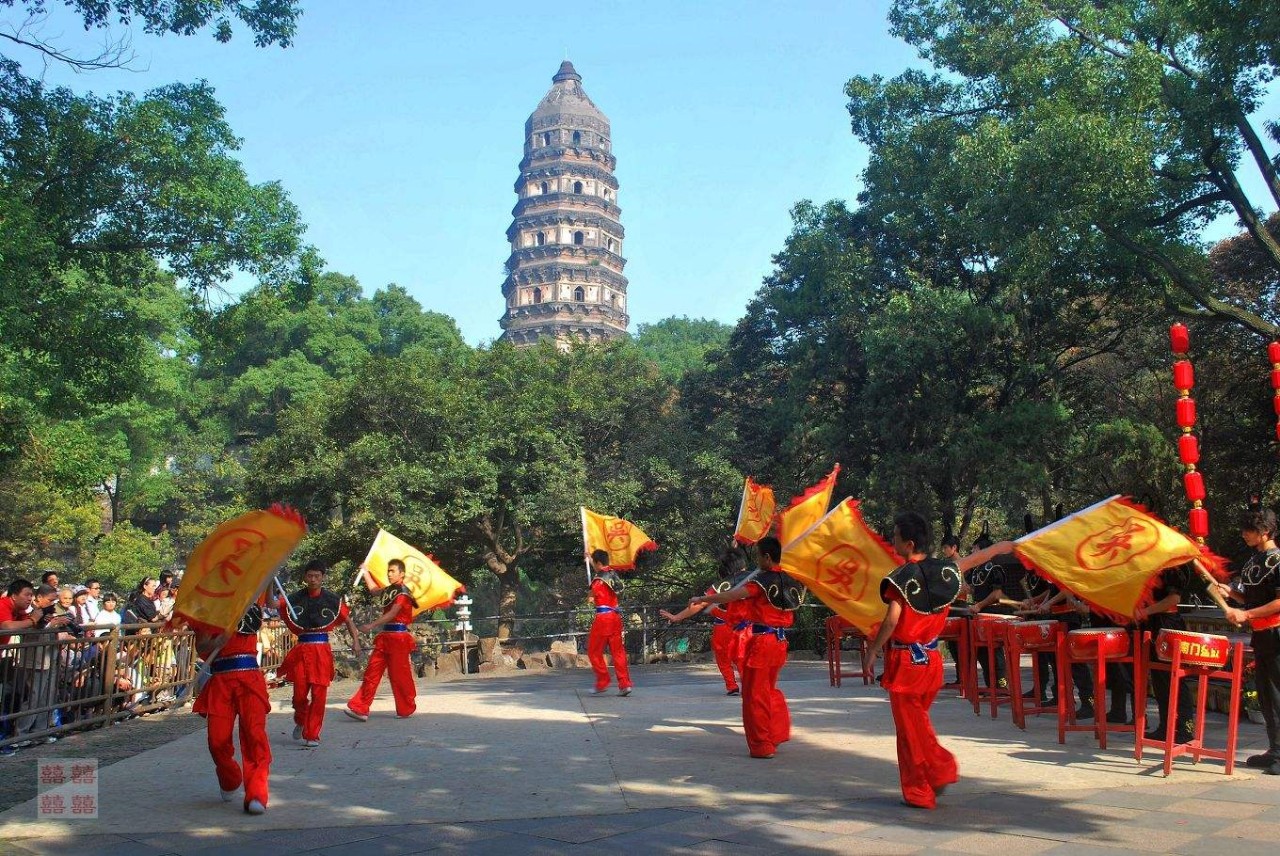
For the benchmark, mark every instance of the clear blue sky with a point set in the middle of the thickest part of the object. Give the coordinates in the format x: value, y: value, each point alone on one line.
x: 397, y: 127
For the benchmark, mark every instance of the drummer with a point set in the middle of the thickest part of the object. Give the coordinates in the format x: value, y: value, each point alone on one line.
x: 1259, y: 583
x: 1038, y: 591
x: 986, y: 584
x: 1173, y: 585
x: 1062, y: 606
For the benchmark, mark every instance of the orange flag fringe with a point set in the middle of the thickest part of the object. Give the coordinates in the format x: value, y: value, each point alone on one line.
x: 621, y: 539
x: 228, y: 570
x: 429, y: 584
x: 842, y: 561
x: 807, y: 509
x: 1108, y: 555
x: 755, y: 513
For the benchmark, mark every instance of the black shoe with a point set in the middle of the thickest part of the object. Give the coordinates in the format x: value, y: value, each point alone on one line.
x: 1183, y: 736
x: 1156, y: 733
x: 1273, y: 770
x: 1266, y: 759
x: 1115, y: 716
x: 1085, y: 711
x: 733, y: 691
x: 1029, y: 695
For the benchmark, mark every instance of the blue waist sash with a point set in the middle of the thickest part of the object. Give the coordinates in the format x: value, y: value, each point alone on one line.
x: 919, y: 650
x: 395, y: 628
x: 314, y: 637
x: 600, y: 609
x: 716, y: 622
x: 780, y: 632
x: 234, y: 663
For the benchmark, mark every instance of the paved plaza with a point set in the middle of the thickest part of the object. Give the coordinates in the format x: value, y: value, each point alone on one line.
x: 533, y: 763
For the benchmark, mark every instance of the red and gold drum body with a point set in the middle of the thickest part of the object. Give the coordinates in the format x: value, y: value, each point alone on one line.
x: 1198, y: 649
x: 987, y: 628
x: 1111, y: 642
x: 953, y: 628
x: 1035, y: 635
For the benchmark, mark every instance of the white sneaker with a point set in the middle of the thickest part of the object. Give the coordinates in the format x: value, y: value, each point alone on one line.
x: 310, y: 744
x: 600, y: 692
x: 255, y: 807
x: 359, y: 717
x: 297, y: 732
x: 625, y: 693
x: 228, y: 796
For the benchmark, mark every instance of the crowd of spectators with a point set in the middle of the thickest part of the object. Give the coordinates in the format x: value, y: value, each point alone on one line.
x: 67, y: 651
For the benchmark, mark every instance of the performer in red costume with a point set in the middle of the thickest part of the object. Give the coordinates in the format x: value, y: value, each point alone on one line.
x: 606, y: 629
x: 237, y: 690
x: 391, y: 650
x: 311, y: 613
x: 919, y: 595
x: 726, y: 642
x: 769, y: 598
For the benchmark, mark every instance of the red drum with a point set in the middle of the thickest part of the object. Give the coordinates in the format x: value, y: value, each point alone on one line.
x: 1198, y: 649
x: 986, y: 627
x: 1035, y: 635
x: 953, y: 627
x: 1112, y: 642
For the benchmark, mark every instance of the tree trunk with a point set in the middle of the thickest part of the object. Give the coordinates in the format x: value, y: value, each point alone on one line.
x: 509, y: 587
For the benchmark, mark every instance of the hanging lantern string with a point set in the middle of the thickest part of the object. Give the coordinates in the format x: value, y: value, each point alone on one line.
x: 1184, y: 380
x: 1273, y: 356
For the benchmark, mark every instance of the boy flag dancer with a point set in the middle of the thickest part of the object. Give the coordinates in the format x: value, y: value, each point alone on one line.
x: 606, y: 628
x: 311, y: 613
x: 226, y: 573
x: 391, y: 650
x: 771, y: 598
x: 724, y: 639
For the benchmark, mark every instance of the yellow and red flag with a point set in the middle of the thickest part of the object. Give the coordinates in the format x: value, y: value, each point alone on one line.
x: 621, y: 539
x: 807, y: 509
x: 233, y: 566
x: 755, y: 514
x: 842, y: 561
x: 1108, y: 555
x: 430, y: 586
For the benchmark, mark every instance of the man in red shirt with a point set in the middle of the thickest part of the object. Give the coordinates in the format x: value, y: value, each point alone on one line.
x: 919, y: 595
x: 769, y: 599
x: 15, y: 609
x: 311, y: 613
x: 606, y: 629
x: 235, y: 691
x: 725, y: 640
x: 392, y: 648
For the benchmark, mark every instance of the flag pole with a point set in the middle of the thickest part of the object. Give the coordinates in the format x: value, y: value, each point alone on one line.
x: 586, y: 545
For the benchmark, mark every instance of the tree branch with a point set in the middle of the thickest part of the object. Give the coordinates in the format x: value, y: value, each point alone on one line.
x: 1191, y: 204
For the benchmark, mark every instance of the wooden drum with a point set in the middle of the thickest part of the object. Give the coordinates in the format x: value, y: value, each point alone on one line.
x: 1111, y: 642
x: 1035, y: 635
x: 1198, y: 649
x: 953, y: 628
x: 987, y: 628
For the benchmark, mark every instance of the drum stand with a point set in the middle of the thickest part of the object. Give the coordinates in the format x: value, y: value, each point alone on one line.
x: 1014, y: 649
x: 837, y: 630
x: 1066, y: 695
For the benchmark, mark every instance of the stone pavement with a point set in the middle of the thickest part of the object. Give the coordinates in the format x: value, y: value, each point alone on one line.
x: 535, y: 764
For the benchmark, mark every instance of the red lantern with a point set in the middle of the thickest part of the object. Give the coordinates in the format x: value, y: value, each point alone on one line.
x: 1194, y: 484
x: 1184, y: 377
x: 1180, y: 339
x: 1278, y: 430
x: 1198, y: 519
x: 1186, y: 409
x: 1275, y: 403
x: 1275, y: 379
x: 1273, y: 353
x: 1188, y: 449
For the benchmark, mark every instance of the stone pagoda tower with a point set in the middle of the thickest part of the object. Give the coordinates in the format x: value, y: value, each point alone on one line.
x: 564, y: 274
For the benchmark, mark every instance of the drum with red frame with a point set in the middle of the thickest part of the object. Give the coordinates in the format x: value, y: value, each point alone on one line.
x: 1111, y: 642
x: 953, y: 627
x: 1035, y: 635
x: 1198, y: 649
x: 989, y: 626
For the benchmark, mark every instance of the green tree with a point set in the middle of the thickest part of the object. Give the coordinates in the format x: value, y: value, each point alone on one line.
x: 677, y: 345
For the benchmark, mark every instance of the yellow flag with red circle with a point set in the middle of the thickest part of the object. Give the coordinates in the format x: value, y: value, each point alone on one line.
x: 430, y: 585
x: 621, y: 539
x: 229, y: 569
x: 1108, y: 554
x: 843, y: 561
x: 755, y: 513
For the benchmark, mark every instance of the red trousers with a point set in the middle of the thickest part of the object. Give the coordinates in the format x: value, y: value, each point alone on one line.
x: 310, y: 667
x: 724, y: 644
x: 923, y: 765
x: 606, y: 632
x: 224, y: 699
x: 391, y: 652
x: 765, y: 716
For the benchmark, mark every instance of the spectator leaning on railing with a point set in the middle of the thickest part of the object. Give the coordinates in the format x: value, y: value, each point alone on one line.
x: 141, y: 608
x: 108, y: 615
x: 36, y: 662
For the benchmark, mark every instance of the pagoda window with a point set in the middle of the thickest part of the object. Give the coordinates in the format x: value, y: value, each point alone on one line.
x: 541, y: 238
x: 546, y: 138
x: 577, y: 187
x: 579, y: 295
x: 545, y: 188
x: 611, y: 245
x: 537, y: 295
x: 579, y: 239
x: 577, y: 138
